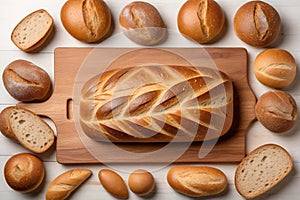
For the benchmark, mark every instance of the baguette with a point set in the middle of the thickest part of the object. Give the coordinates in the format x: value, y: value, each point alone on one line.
x: 197, y: 181
x: 157, y: 104
x: 26, y: 128
x: 63, y: 185
x: 261, y: 170
x: 33, y: 31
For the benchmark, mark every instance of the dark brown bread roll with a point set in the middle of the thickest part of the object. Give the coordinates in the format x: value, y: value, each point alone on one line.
x: 157, y: 104
x: 257, y: 23
x: 277, y: 111
x: 26, y: 81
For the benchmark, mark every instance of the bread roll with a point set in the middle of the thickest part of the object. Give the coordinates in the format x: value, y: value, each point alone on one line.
x: 63, y: 185
x: 261, y: 170
x: 197, y: 181
x: 277, y: 111
x: 141, y: 22
x: 113, y: 183
x: 275, y: 68
x: 26, y: 81
x: 201, y: 20
x: 24, y: 172
x: 33, y: 31
x: 257, y: 24
x: 141, y: 182
x: 87, y: 20
x: 26, y: 128
x: 157, y: 104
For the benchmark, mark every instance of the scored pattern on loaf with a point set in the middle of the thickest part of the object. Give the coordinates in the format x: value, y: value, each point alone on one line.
x: 157, y: 103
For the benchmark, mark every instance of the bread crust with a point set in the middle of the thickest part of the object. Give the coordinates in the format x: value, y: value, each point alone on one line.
x: 160, y: 104
x: 197, y: 181
x: 87, y: 20
x: 201, y: 20
x: 26, y: 81
x: 270, y: 186
x: 66, y: 183
x: 257, y: 24
x: 275, y: 68
x: 142, y: 23
x: 277, y: 111
x: 24, y: 172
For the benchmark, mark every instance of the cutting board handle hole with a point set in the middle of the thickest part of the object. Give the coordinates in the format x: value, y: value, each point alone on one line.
x: 69, y: 109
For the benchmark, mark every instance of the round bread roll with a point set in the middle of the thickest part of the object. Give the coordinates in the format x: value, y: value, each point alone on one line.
x: 24, y: 172
x: 257, y: 24
x: 201, y: 20
x: 141, y: 182
x: 275, y: 68
x: 141, y: 22
x: 26, y: 81
x: 277, y: 111
x: 87, y: 21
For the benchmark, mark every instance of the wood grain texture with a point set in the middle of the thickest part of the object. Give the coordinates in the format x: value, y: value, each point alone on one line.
x: 73, y: 66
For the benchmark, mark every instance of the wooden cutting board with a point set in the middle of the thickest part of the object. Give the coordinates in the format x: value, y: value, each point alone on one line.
x: 74, y: 66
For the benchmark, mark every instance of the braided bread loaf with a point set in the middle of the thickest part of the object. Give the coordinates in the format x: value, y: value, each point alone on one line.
x: 157, y: 103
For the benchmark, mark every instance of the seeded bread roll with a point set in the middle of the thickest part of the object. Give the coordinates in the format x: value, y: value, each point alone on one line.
x: 277, y: 111
x: 26, y: 128
x: 275, y: 68
x: 262, y: 169
x: 87, y: 20
x: 201, y: 20
x: 26, y: 81
x: 141, y: 22
x: 24, y: 172
x: 33, y: 31
x: 257, y: 24
x: 157, y: 103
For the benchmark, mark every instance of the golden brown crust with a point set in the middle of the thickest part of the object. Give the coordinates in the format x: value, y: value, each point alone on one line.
x: 257, y: 23
x: 87, y: 20
x: 113, y: 183
x: 141, y: 182
x: 197, y: 181
x: 24, y: 172
x: 277, y: 111
x: 64, y: 184
x: 275, y: 68
x: 160, y: 104
x: 201, y: 20
x: 142, y: 23
x: 26, y: 81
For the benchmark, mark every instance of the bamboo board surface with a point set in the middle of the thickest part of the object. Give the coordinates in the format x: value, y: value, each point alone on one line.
x: 74, y: 66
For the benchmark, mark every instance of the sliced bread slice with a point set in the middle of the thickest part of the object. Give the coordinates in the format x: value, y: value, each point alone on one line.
x: 262, y: 169
x: 32, y: 31
x: 27, y: 128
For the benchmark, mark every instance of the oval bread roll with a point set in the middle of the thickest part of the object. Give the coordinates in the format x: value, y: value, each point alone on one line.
x: 26, y: 81
x: 275, y: 68
x: 197, y: 181
x: 63, y: 185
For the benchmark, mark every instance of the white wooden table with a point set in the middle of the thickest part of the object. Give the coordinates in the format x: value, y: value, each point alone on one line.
x: 12, y: 11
